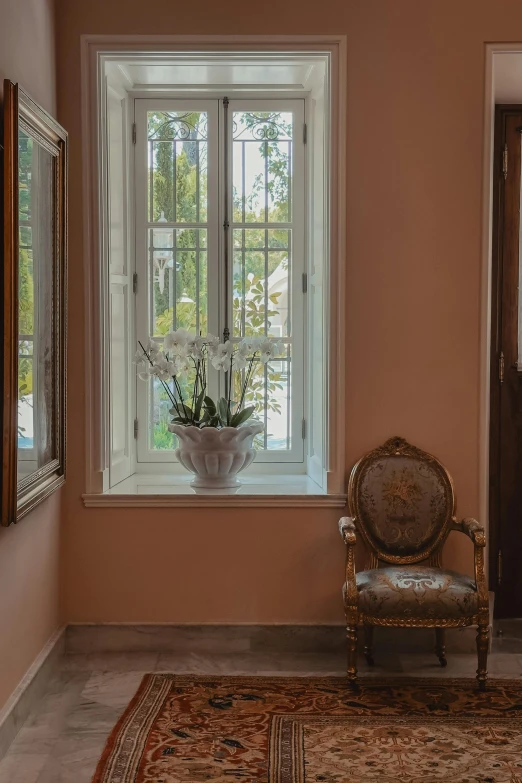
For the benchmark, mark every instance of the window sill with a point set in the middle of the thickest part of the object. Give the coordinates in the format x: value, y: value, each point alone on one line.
x: 168, y: 491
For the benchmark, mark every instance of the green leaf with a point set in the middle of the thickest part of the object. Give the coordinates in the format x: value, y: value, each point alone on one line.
x: 222, y: 407
x: 242, y: 416
x: 210, y: 406
x: 199, y: 403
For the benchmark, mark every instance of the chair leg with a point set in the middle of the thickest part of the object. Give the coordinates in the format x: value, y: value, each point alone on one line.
x: 368, y: 644
x: 440, y: 646
x: 482, y: 654
x: 351, y: 632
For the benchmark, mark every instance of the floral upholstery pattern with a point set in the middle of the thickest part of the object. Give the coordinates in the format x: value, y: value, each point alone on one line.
x: 416, y: 592
x: 402, y: 503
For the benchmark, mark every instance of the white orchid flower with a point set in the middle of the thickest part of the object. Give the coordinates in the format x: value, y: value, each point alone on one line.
x: 143, y: 370
x: 224, y: 349
x: 175, y: 342
x: 240, y: 361
x: 159, y: 358
x: 222, y: 362
x: 153, y: 348
x: 269, y: 349
x: 255, y: 342
x: 194, y: 346
x: 212, y: 343
x: 160, y: 370
x: 181, y: 364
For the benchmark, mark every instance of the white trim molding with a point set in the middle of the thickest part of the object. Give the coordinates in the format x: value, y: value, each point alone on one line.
x: 96, y: 52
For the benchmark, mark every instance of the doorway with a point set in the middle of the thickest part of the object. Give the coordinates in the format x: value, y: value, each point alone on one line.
x: 505, y: 452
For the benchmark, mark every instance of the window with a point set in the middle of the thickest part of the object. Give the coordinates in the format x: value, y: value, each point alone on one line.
x: 223, y: 215
x: 219, y: 195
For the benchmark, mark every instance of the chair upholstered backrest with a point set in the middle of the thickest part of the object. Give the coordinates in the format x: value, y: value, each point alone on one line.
x: 403, y: 502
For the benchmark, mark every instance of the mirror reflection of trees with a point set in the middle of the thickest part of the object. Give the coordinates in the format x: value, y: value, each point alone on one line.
x: 26, y: 314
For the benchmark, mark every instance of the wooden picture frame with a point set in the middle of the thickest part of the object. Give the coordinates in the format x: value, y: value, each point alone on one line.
x: 35, y: 261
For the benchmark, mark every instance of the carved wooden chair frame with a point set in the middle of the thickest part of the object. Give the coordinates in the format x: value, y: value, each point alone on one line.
x: 429, y: 555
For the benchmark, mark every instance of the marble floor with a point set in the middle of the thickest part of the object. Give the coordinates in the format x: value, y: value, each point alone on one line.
x: 63, y: 740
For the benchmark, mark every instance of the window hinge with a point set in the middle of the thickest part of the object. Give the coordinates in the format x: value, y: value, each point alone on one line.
x: 501, y: 367
x: 305, y: 282
x: 134, y: 133
x: 303, y: 428
x: 135, y: 429
x: 135, y: 283
x: 505, y: 161
x: 499, y: 567
x: 305, y: 133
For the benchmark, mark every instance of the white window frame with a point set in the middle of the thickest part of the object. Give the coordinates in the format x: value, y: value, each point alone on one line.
x: 147, y: 458
x: 295, y: 455
x: 97, y: 52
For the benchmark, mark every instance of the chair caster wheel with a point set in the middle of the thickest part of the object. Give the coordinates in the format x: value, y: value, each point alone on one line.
x: 443, y: 662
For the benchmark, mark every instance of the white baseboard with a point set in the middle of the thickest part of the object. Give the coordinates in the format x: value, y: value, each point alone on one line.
x: 29, y: 690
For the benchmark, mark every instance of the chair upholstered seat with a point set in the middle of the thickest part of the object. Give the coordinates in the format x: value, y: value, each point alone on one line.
x: 416, y: 592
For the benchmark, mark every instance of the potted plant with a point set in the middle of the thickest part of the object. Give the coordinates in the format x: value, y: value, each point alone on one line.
x: 215, y: 437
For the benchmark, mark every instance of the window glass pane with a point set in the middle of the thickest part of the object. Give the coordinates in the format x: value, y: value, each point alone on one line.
x: 262, y: 170
x: 270, y: 392
x: 261, y: 254
x: 261, y: 297
x: 261, y: 277
x: 161, y: 397
x: 178, y: 269
x: 177, y: 166
x: 160, y: 437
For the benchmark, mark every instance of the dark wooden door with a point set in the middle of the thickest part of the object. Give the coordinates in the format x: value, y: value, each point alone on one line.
x: 506, y: 370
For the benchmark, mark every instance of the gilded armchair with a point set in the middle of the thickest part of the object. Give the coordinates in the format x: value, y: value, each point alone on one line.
x: 401, y: 501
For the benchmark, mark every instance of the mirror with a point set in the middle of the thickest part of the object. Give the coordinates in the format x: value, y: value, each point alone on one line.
x: 35, y: 190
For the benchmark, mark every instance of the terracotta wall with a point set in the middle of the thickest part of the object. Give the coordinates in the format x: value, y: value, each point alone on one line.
x: 29, y: 551
x: 415, y: 136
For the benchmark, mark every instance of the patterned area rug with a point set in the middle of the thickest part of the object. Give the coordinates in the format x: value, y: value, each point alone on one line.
x: 188, y: 729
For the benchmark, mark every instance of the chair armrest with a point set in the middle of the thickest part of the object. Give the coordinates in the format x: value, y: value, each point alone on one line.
x: 347, y: 530
x: 476, y: 532
x: 350, y: 592
x: 472, y: 529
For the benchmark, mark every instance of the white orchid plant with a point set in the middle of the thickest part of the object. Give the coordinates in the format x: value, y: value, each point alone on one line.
x: 183, y: 352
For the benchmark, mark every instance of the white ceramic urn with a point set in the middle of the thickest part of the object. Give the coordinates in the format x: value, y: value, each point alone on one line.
x: 216, y: 456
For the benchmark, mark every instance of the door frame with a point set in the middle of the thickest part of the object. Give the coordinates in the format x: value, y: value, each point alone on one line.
x: 502, y: 112
x: 492, y: 54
